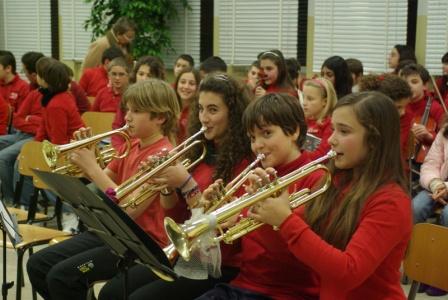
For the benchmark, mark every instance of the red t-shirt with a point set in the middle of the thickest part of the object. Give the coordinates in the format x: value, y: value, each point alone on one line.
x: 29, y: 116
x: 268, y: 267
x: 369, y: 267
x: 15, y: 91
x: 60, y: 118
x: 151, y: 220
x: 4, y: 115
x: 106, y: 100
x: 93, y: 80
x: 119, y: 121
x: 323, y: 131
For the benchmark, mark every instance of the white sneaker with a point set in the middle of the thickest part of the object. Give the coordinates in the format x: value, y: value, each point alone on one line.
x: 70, y: 222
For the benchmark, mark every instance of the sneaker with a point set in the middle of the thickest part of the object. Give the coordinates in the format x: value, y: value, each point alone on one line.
x: 433, y: 291
x: 422, y: 288
x: 70, y: 223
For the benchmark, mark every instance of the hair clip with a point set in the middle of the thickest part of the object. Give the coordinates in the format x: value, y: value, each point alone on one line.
x: 223, y: 77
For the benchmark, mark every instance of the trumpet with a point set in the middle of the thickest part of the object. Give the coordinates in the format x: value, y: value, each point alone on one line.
x: 146, y: 191
x: 184, y: 236
x: 234, y: 185
x: 55, y: 153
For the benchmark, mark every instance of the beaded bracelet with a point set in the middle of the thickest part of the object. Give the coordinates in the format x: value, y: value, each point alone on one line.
x: 185, y: 183
x: 191, y: 193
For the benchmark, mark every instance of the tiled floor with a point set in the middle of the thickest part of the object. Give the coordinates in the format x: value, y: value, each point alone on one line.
x: 26, y: 292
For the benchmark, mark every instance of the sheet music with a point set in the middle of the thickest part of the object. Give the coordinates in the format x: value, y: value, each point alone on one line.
x: 9, y: 224
x: 311, y: 142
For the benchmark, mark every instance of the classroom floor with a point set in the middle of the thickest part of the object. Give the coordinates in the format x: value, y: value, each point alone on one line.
x: 26, y: 292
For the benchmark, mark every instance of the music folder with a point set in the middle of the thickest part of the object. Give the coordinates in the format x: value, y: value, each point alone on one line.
x: 111, y: 224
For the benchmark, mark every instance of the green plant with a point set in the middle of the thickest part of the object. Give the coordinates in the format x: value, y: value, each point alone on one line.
x: 151, y: 16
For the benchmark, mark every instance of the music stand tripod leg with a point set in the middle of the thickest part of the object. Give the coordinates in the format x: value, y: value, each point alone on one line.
x: 5, y: 285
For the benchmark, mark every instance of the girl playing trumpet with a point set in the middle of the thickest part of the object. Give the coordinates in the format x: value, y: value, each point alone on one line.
x: 355, y: 235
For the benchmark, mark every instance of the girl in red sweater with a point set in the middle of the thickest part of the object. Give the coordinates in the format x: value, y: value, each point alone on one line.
x: 319, y: 99
x: 355, y: 235
x: 275, y: 78
x: 186, y: 87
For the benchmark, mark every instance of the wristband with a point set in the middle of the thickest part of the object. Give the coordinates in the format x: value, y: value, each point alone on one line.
x: 191, y: 193
x: 110, y: 192
x: 185, y: 182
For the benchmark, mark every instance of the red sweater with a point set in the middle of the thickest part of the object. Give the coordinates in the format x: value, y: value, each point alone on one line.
x: 268, y: 267
x: 182, y: 124
x: 151, y: 220
x: 418, y: 108
x: 15, y: 91
x: 29, y: 115
x: 60, y: 118
x: 106, y: 100
x: 119, y: 121
x: 323, y: 131
x: 93, y: 80
x: 369, y: 267
x: 4, y: 116
x: 406, y: 122
x: 82, y: 102
x: 273, y: 88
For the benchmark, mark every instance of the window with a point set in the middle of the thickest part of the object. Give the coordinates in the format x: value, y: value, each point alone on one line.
x: 26, y: 27
x: 436, y: 35
x: 185, y: 33
x: 362, y: 29
x: 75, y: 39
x: 250, y: 27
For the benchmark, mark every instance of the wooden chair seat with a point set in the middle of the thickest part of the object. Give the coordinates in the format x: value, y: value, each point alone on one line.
x: 22, y: 215
x: 32, y: 235
x: 100, y: 122
x: 426, y: 259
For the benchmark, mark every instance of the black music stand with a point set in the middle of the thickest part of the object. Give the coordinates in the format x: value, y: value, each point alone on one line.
x: 8, y: 226
x: 111, y: 224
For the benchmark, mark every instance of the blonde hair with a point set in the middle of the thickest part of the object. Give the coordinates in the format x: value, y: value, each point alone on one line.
x: 157, y: 98
x: 328, y: 92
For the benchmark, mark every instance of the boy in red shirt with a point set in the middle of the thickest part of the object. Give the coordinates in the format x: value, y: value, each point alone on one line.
x: 4, y: 116
x: 277, y: 128
x: 54, y: 272
x: 417, y: 77
x: 24, y: 125
x: 12, y: 87
x: 95, y: 79
x: 108, y: 99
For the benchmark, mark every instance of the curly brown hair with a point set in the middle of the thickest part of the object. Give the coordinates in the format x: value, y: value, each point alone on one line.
x: 235, y: 145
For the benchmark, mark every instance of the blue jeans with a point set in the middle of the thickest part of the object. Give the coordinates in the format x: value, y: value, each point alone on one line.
x: 423, y: 207
x: 10, y: 146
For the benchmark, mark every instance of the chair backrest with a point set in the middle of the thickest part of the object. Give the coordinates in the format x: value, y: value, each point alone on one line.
x: 427, y: 255
x: 31, y: 157
x: 100, y: 122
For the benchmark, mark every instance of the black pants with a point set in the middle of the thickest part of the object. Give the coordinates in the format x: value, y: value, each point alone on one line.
x: 65, y: 271
x: 143, y: 284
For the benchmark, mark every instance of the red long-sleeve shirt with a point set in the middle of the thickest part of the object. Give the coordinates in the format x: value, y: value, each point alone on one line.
x: 29, y: 115
x: 4, y: 116
x: 268, y: 267
x: 435, y: 112
x: 60, y: 118
x: 273, y: 88
x: 106, y: 100
x: 15, y: 91
x: 368, y: 268
x: 93, y: 80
